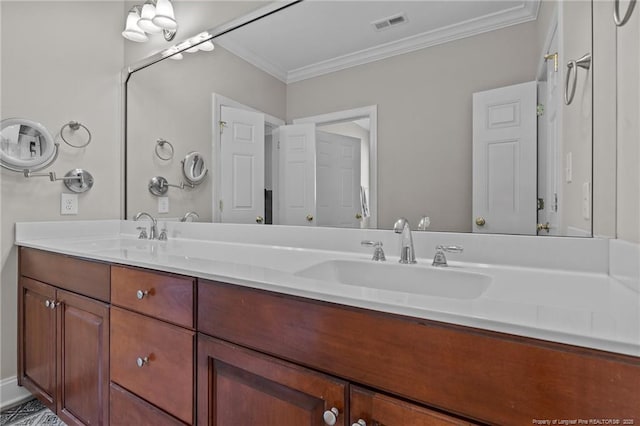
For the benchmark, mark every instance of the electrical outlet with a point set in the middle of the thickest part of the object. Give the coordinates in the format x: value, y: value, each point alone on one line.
x: 163, y: 204
x: 68, y: 203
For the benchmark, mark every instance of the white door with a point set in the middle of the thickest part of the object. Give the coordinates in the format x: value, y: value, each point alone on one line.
x: 242, y: 166
x: 297, y: 171
x: 504, y: 160
x: 338, y: 180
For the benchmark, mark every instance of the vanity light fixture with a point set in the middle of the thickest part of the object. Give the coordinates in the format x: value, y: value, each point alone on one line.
x: 150, y: 18
x: 192, y: 45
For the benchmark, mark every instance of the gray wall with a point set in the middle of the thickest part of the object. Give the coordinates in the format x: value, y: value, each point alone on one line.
x: 54, y: 73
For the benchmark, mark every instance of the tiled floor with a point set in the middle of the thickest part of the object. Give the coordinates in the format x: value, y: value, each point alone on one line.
x: 30, y: 413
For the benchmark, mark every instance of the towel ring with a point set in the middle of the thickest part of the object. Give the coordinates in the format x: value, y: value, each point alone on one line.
x: 572, y: 70
x: 160, y: 143
x: 616, y: 12
x: 75, y: 126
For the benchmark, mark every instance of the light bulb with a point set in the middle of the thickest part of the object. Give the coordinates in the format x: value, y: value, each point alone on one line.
x: 132, y: 31
x: 165, y: 18
x: 146, y: 16
x: 207, y: 46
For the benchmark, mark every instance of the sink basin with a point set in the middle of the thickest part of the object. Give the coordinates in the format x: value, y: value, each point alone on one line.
x: 416, y: 279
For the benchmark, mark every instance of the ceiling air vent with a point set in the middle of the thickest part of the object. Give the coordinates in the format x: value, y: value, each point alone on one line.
x: 391, y: 21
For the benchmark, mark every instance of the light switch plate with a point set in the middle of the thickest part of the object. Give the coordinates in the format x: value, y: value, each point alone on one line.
x: 68, y: 203
x: 569, y: 168
x: 163, y: 204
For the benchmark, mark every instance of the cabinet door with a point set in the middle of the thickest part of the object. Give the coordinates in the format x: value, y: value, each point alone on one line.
x: 83, y: 360
x: 37, y: 340
x: 237, y: 386
x: 374, y: 409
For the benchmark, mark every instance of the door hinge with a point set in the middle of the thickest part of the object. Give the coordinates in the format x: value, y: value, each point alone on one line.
x: 220, y: 205
x: 555, y: 202
x: 540, y: 204
x: 222, y: 125
x: 539, y: 110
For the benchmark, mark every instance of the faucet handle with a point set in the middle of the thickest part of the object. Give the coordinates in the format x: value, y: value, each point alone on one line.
x: 378, y: 252
x: 450, y: 249
x: 163, y: 234
x: 143, y: 233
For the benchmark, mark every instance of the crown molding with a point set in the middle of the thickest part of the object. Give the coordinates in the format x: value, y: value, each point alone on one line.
x: 526, y: 12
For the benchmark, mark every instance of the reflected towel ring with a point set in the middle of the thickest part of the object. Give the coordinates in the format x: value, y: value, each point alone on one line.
x: 160, y: 143
x: 616, y: 12
x: 572, y: 70
x: 75, y: 126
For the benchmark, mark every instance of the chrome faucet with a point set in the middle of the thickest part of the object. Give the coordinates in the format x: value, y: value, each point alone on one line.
x: 153, y: 231
x: 407, y: 254
x: 188, y: 215
x: 439, y: 259
x: 378, y: 252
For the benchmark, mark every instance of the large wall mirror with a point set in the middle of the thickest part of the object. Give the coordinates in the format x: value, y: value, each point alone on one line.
x: 355, y: 113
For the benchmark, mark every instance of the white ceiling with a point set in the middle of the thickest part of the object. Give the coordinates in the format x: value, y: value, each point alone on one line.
x: 316, y: 37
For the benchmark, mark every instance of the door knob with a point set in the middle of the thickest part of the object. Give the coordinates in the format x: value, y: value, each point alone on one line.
x: 330, y: 417
x: 309, y: 218
x: 259, y: 219
x: 358, y: 216
x: 543, y: 226
x: 480, y: 221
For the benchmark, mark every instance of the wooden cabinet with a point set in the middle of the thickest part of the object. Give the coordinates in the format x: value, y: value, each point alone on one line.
x: 153, y: 340
x: 126, y: 409
x: 237, y: 386
x: 63, y: 351
x: 369, y: 408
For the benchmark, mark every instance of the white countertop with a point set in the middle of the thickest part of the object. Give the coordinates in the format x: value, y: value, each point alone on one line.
x: 582, y: 308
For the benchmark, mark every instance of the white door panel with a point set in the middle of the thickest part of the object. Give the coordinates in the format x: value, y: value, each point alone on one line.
x: 504, y: 159
x: 297, y: 162
x: 242, y: 164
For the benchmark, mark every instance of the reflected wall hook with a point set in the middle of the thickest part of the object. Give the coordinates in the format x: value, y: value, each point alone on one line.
x: 572, y: 70
x: 616, y: 12
x: 160, y: 145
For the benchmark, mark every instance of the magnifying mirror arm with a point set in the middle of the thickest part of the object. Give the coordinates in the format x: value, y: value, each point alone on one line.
x: 52, y: 176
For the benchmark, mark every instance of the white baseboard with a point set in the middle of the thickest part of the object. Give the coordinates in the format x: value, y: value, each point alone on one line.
x: 11, y: 393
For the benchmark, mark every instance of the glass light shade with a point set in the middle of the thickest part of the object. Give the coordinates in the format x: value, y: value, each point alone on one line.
x: 194, y: 49
x: 146, y: 16
x: 132, y: 31
x: 207, y: 46
x: 165, y: 17
x: 177, y: 57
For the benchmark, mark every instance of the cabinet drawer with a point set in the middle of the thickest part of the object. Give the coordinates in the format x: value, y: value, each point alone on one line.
x: 375, y: 408
x: 165, y: 296
x: 127, y: 409
x: 166, y: 377
x: 79, y: 276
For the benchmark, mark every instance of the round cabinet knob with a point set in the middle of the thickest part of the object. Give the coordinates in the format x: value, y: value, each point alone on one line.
x: 140, y: 362
x: 331, y: 416
x: 480, y: 221
x: 47, y: 303
x: 140, y: 294
x: 358, y: 216
x: 360, y: 422
x: 259, y: 219
x: 309, y: 218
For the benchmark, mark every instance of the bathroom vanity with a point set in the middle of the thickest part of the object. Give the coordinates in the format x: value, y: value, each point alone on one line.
x: 179, y: 332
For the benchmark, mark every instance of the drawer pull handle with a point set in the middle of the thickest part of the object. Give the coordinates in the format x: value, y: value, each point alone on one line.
x: 360, y: 422
x: 331, y: 416
x: 141, y: 362
x: 140, y: 294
